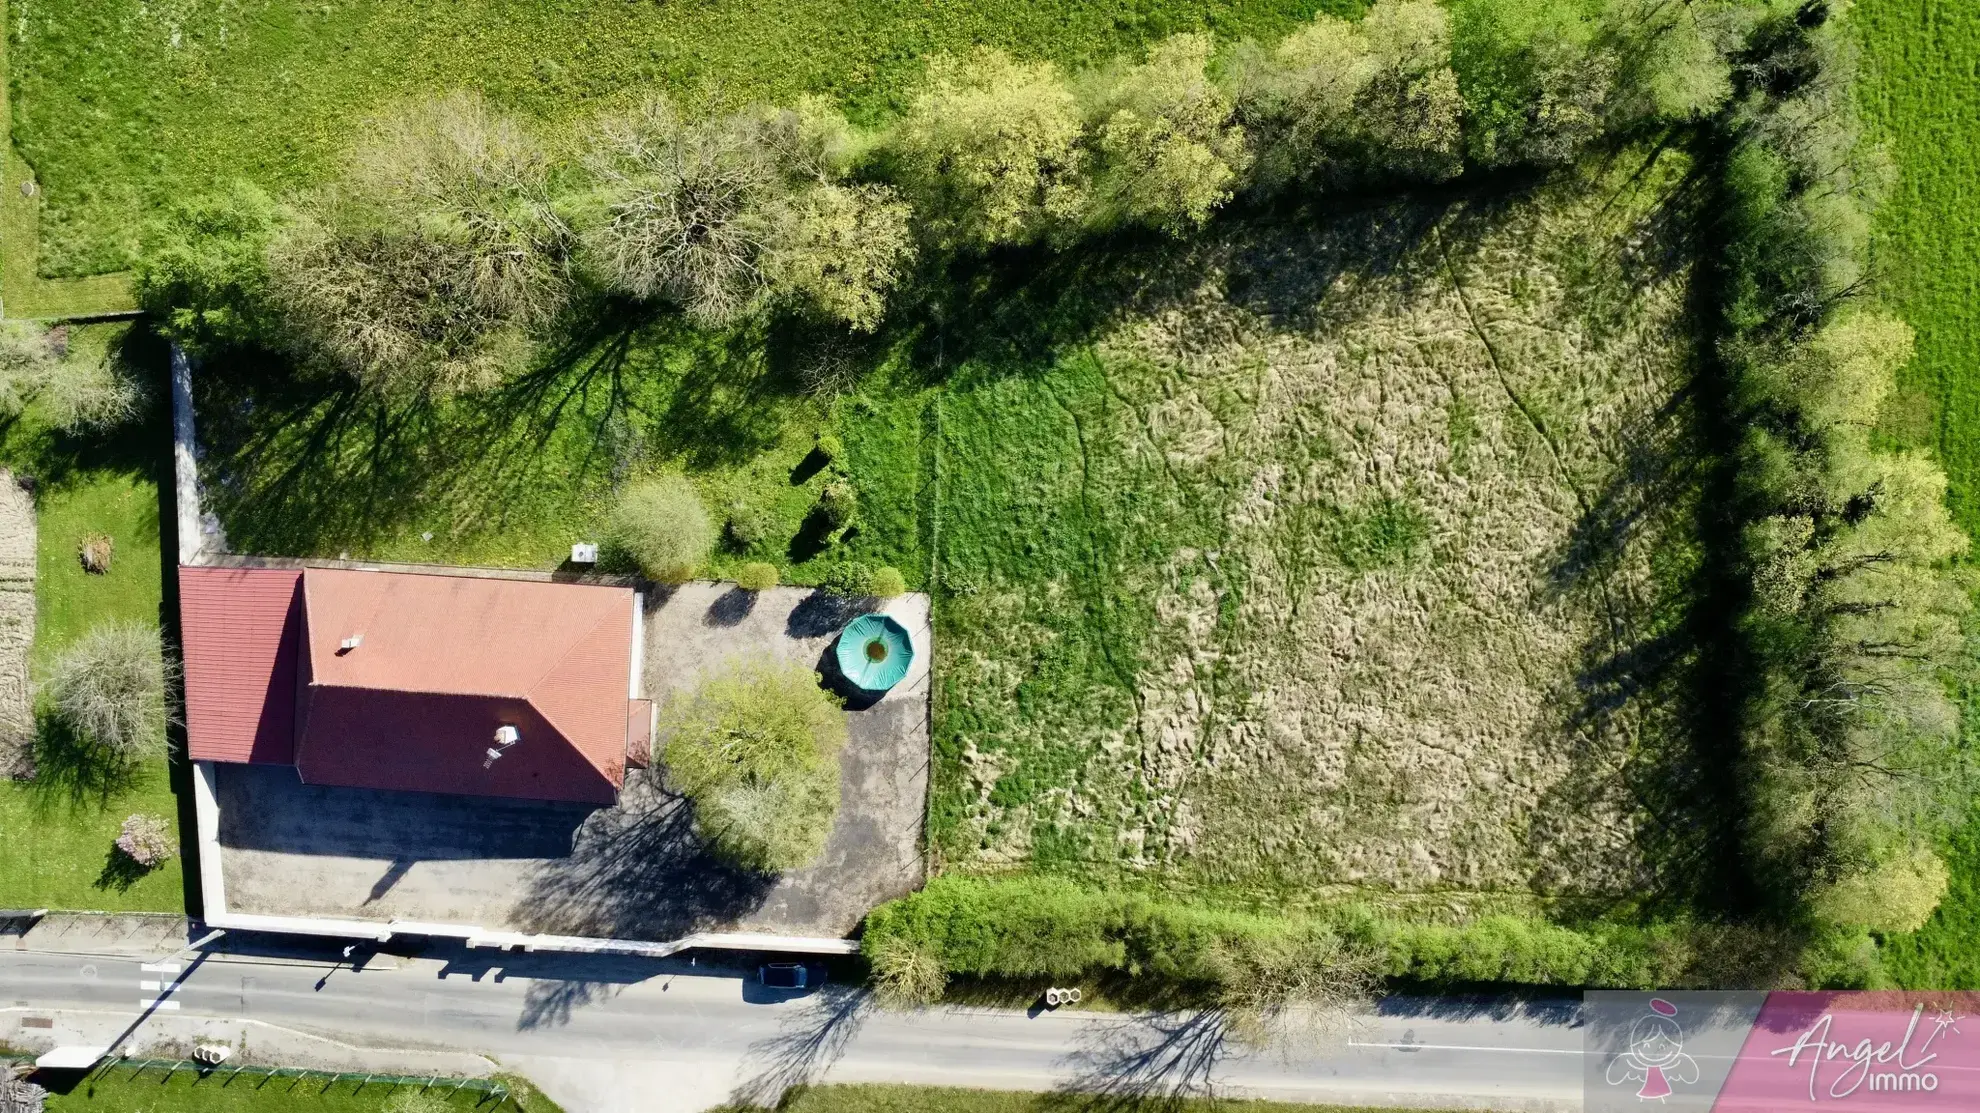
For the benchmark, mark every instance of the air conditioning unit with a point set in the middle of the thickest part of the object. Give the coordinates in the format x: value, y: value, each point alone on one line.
x: 584, y: 552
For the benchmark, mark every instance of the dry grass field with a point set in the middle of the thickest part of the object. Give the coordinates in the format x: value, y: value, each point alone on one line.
x: 1354, y: 552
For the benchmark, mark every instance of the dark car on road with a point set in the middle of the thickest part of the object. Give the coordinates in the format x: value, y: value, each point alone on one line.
x: 783, y: 975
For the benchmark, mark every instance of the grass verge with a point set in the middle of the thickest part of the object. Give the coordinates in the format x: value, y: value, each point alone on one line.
x: 59, y: 829
x: 120, y: 1090
x: 944, y: 1099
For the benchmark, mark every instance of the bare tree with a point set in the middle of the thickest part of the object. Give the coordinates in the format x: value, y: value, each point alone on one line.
x: 109, y: 688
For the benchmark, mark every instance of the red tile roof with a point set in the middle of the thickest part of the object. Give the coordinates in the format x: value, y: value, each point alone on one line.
x: 242, y: 628
x: 441, y: 661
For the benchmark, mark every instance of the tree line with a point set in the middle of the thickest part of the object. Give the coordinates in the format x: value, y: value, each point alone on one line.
x: 452, y: 240
x: 1852, y: 627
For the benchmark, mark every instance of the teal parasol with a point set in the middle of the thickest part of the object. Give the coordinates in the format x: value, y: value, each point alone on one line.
x: 874, y: 652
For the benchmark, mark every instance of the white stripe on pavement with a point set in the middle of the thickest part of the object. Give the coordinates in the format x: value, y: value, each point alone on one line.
x: 146, y: 1004
x: 160, y: 967
x: 152, y: 986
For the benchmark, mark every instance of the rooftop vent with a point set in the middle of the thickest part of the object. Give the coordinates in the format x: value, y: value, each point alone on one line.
x: 584, y: 552
x: 505, y: 736
x: 350, y: 643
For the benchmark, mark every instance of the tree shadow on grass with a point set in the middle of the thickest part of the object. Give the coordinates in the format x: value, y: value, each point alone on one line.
x: 121, y: 871
x: 72, y: 771
x: 308, y: 463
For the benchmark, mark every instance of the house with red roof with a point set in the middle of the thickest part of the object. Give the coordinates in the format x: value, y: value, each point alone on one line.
x: 416, y: 680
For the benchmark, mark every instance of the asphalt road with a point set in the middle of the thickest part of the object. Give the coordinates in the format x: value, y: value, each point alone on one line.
x: 616, y: 1027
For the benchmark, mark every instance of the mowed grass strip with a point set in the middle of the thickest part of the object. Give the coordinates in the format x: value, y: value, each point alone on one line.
x: 123, y: 105
x: 943, y: 1099
x: 120, y: 1089
x: 59, y: 830
x: 1923, y: 104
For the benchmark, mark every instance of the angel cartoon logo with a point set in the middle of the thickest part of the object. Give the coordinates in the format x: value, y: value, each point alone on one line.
x: 1656, y: 1057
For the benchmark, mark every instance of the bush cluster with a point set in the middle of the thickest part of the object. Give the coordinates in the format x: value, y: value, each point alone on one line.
x: 1051, y: 927
x: 663, y: 527
x: 108, y: 689
x: 451, y: 241
x: 1853, y: 612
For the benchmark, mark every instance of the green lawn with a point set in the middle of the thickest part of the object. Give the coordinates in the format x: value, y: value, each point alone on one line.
x: 1918, y: 86
x: 940, y: 1099
x: 121, y: 1090
x: 121, y: 105
x: 59, y: 829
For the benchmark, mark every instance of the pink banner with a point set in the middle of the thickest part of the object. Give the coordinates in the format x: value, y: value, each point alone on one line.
x: 1859, y: 1052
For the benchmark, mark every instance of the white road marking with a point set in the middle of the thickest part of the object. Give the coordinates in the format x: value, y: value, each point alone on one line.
x: 1465, y: 1047
x: 152, y: 986
x: 158, y: 1004
x: 160, y: 967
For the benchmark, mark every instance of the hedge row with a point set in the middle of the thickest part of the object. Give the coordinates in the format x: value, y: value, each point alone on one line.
x: 1051, y: 927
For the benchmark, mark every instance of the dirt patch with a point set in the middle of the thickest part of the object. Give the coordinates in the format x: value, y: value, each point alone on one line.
x: 1400, y: 537
x: 17, y: 566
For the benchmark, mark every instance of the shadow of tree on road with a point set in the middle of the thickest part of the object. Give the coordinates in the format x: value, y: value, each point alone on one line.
x: 1144, y: 1063
x: 804, y: 1048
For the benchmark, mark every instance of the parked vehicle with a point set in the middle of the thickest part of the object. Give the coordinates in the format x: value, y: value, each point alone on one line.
x: 783, y: 975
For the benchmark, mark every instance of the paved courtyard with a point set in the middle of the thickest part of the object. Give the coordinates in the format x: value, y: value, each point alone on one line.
x: 633, y: 871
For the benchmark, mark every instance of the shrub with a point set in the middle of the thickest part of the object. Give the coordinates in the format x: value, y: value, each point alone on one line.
x: 663, y: 526
x: 989, y: 149
x: 757, y: 748
x: 94, y: 553
x: 748, y: 526
x: 906, y: 974
x: 201, y: 269
x: 831, y: 447
x: 888, y: 583
x: 839, y: 503
x: 27, y: 359
x: 1166, y: 152
x: 109, y: 689
x: 146, y: 840
x: 848, y: 578
x: 433, y: 260
x: 757, y: 575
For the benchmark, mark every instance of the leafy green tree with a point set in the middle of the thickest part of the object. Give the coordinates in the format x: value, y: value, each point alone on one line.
x: 664, y: 527
x: 839, y: 249
x: 1898, y: 894
x: 1165, y: 149
x: 1534, y: 80
x: 990, y: 150
x: 757, y: 749
x: 431, y: 262
x: 1341, y: 102
x: 201, y: 269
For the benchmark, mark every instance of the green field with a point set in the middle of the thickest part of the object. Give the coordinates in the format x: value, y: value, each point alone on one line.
x: 1924, y: 106
x: 122, y: 105
x: 59, y: 828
